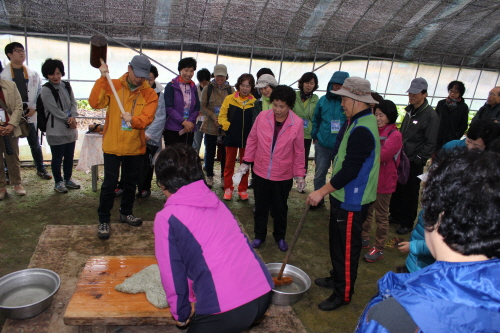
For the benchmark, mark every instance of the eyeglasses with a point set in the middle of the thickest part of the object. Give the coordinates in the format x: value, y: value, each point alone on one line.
x: 19, y: 51
x: 455, y: 92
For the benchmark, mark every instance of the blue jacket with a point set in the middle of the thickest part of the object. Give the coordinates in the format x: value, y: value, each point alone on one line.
x: 419, y: 256
x: 327, y: 109
x: 459, y: 297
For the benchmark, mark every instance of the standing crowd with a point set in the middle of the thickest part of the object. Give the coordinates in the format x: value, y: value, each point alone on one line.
x: 376, y: 171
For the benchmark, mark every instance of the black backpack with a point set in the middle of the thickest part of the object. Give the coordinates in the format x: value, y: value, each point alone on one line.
x: 41, y: 118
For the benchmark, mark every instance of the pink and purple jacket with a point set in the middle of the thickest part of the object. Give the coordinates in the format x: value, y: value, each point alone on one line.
x: 286, y: 160
x: 390, y: 145
x: 202, y: 252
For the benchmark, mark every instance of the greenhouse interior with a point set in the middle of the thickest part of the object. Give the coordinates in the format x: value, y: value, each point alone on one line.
x: 387, y: 42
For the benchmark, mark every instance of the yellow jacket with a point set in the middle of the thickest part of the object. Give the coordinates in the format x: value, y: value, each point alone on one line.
x: 236, y: 119
x: 141, y: 103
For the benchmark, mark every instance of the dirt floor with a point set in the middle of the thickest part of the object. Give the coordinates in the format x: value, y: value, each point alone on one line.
x: 22, y: 220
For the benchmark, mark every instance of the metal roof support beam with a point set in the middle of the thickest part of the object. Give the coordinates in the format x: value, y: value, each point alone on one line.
x: 218, y: 49
x: 477, y: 83
x: 342, y: 58
x: 437, y: 82
x: 251, y: 56
x: 390, y: 72
x: 460, y: 68
x: 315, y: 54
x: 367, y: 65
x: 281, y: 62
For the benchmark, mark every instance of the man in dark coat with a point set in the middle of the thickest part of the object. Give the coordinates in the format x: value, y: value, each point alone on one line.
x: 420, y: 129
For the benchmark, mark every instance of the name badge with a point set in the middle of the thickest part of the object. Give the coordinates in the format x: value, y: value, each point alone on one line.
x: 125, y: 126
x: 185, y: 115
x: 3, y: 118
x: 335, y: 126
x: 217, y: 110
x: 306, y: 122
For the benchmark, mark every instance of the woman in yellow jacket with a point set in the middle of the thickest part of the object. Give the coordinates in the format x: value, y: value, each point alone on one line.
x: 236, y: 117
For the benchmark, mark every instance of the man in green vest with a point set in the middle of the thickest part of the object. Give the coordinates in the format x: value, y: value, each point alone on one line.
x: 352, y: 189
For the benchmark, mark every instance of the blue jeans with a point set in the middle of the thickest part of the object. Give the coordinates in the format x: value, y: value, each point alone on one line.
x: 198, y: 137
x: 323, y: 161
x: 60, y: 152
x: 36, y: 150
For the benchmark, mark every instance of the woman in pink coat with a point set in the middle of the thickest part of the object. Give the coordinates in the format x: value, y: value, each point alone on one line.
x: 390, y: 147
x: 276, y: 147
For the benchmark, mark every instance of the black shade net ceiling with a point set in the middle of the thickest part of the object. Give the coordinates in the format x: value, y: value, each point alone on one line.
x: 445, y: 32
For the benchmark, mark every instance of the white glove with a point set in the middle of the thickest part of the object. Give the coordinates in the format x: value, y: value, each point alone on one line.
x: 243, y: 169
x: 301, y: 184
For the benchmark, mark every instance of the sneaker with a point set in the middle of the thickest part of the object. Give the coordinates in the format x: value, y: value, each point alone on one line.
x: 243, y: 195
x: 118, y: 192
x: 130, y: 220
x: 228, y: 194
x: 3, y: 193
x: 256, y: 243
x: 60, y: 187
x: 71, y: 184
x: 374, y: 255
x: 326, y: 282
x: 145, y: 194
x: 44, y: 174
x: 103, y: 231
x: 402, y: 230
x: 210, y: 182
x: 332, y: 303
x: 365, y: 243
x: 19, y: 190
x: 282, y: 245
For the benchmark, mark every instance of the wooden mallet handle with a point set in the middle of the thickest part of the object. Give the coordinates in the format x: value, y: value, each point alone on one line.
x: 115, y: 93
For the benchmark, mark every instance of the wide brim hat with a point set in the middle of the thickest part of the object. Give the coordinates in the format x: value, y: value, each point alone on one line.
x: 356, y: 88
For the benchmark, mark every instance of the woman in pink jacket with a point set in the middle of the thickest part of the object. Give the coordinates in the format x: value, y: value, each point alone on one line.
x: 276, y: 147
x: 390, y: 147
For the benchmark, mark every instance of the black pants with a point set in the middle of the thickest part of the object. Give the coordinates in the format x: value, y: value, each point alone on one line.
x: 233, y: 321
x: 36, y: 150
x: 307, y: 149
x: 62, y: 154
x: 271, y: 196
x: 345, y: 248
x: 404, y: 202
x: 147, y: 168
x: 173, y: 137
x: 130, y: 173
x: 210, y: 147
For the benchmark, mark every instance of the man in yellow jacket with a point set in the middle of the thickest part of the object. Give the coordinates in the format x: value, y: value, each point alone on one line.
x: 123, y: 140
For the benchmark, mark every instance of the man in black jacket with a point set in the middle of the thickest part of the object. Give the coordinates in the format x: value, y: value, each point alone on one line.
x: 490, y: 110
x: 453, y: 115
x: 420, y: 129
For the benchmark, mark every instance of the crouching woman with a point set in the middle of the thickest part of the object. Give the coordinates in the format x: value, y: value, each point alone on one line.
x: 202, y: 253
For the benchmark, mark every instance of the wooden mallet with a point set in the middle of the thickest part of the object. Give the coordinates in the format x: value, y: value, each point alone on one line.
x: 98, y: 53
x: 281, y: 280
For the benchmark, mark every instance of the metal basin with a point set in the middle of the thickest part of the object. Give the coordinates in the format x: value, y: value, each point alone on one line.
x: 27, y: 293
x: 292, y: 293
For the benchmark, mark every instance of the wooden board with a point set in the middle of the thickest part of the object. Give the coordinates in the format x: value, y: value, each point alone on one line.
x: 96, y: 302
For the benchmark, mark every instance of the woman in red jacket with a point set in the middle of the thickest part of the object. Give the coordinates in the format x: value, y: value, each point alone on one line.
x: 390, y: 146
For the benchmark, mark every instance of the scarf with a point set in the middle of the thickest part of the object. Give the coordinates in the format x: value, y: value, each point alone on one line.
x: 452, y: 103
x: 304, y: 97
x: 185, y: 82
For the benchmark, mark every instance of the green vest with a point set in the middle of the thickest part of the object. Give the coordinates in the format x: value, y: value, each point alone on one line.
x: 363, y: 189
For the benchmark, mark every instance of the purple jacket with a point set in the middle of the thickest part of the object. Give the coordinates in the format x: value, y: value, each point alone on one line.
x: 202, y: 252
x: 174, y: 104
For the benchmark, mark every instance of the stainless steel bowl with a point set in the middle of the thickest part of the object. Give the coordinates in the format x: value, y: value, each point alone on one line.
x: 27, y: 293
x: 292, y: 293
